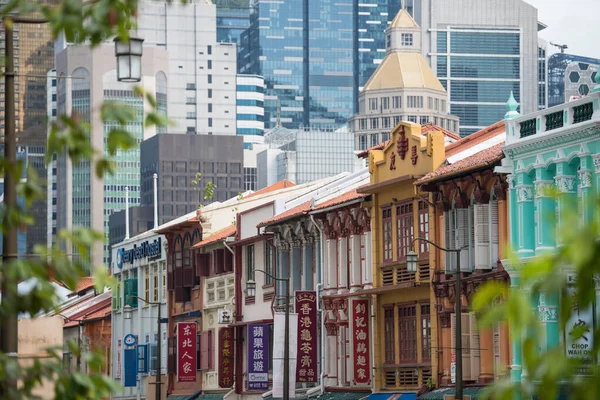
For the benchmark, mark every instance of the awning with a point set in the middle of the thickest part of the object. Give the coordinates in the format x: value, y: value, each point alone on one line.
x: 331, y: 396
x: 392, y: 396
x: 438, y: 394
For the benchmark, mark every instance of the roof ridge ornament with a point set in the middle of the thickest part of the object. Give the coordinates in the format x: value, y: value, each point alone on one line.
x: 511, y: 106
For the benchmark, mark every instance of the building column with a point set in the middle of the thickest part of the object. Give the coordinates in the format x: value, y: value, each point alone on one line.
x: 307, y: 266
x: 513, y: 226
x: 585, y: 191
x: 368, y: 272
x: 331, y: 270
x: 355, y: 265
x: 486, y: 355
x: 525, y: 222
x: 545, y: 211
x: 296, y: 267
x: 516, y: 338
x: 342, y: 269
x: 567, y: 197
x: 283, y: 271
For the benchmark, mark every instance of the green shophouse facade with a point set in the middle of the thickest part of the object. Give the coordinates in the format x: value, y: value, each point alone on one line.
x: 553, y: 165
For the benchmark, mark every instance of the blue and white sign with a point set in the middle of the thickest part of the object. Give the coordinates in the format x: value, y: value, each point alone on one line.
x: 150, y: 250
x: 130, y: 340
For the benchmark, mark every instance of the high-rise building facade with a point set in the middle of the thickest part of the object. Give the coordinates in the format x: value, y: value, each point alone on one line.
x: 202, y: 84
x: 570, y: 76
x: 250, y: 100
x: 34, y: 57
x: 233, y: 18
x: 402, y: 88
x: 83, y: 199
x: 51, y: 170
x: 481, y: 51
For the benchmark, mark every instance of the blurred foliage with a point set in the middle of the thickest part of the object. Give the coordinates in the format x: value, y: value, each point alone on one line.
x: 570, y: 274
x: 91, y: 22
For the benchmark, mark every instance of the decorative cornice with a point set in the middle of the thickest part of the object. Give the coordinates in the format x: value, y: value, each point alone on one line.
x: 524, y: 193
x: 559, y: 137
x: 548, y: 313
x: 510, y: 178
x: 543, y: 188
x: 596, y: 160
x: 585, y: 179
x: 565, y: 183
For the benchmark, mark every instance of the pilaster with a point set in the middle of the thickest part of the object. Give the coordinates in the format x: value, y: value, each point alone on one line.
x: 525, y: 216
x: 567, y: 199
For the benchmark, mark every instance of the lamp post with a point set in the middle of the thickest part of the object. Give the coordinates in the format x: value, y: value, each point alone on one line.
x: 411, y: 264
x: 251, y: 291
x: 129, y: 59
x: 127, y: 311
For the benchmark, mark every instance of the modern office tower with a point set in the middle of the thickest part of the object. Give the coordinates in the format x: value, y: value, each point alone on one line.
x: 481, y: 51
x: 51, y: 169
x: 570, y: 76
x: 305, y: 155
x: 86, y: 79
x: 34, y: 57
x: 202, y: 77
x: 305, y: 51
x: 250, y: 99
x: 179, y: 160
x: 402, y: 88
x: 233, y: 18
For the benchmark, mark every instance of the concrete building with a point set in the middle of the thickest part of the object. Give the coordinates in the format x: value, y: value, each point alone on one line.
x: 82, y: 198
x: 51, y: 169
x: 570, y: 76
x: 143, y: 274
x: 141, y: 219
x: 481, y: 52
x: 201, y: 90
x: 302, y: 156
x: 185, y: 164
x: 402, y: 88
x: 34, y: 58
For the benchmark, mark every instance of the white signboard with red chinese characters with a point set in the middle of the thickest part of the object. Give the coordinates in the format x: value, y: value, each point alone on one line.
x: 361, y: 353
x: 186, y: 352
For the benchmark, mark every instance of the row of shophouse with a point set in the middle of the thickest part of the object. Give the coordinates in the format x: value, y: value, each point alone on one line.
x: 367, y: 321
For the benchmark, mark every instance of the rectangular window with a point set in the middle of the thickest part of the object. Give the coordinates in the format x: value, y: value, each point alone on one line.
x: 405, y: 229
x: 388, y: 41
x: 414, y: 101
x: 190, y: 86
x: 389, y: 332
x: 190, y: 115
x: 209, y: 64
x: 250, y: 262
x: 397, y: 120
x: 155, y: 287
x: 444, y: 106
x: 423, y: 119
x: 437, y: 104
x: 209, y: 50
x: 363, y: 123
x: 142, y: 358
x: 423, y: 227
x: 373, y: 104
x: 190, y: 100
x: 210, y: 122
x: 374, y: 123
x: 387, y: 234
x: 209, y: 78
x: 407, y: 319
x: 412, y: 118
x: 209, y: 107
x: 210, y: 93
x: 164, y: 282
x: 386, y: 122
x: 407, y: 39
x: 430, y: 103
x: 397, y: 101
x: 269, y: 261
x: 146, y: 284
x: 425, y: 332
x: 385, y: 103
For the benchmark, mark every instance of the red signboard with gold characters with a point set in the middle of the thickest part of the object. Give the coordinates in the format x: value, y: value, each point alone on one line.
x: 306, y: 308
x: 186, y: 352
x: 360, y: 335
x: 225, y: 357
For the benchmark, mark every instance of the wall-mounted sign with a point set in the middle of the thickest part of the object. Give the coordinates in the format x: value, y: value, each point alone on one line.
x: 579, y: 335
x: 150, y: 250
x: 225, y: 316
x: 130, y: 340
x: 225, y: 357
x: 306, y: 308
x: 360, y: 336
x: 186, y: 352
x: 258, y: 357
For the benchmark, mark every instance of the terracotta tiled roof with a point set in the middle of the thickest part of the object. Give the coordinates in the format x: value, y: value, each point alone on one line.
x: 101, y: 313
x: 425, y: 128
x: 288, y: 214
x: 84, y: 284
x: 349, y: 196
x: 475, y: 138
x: 482, y: 159
x: 217, y: 236
x: 276, y: 186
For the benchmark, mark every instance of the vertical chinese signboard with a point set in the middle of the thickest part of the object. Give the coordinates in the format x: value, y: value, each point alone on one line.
x: 258, y: 357
x: 360, y: 337
x: 186, y: 352
x: 306, y: 308
x: 225, y: 357
x: 579, y: 334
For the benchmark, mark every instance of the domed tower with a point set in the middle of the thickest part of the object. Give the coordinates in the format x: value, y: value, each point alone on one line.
x: 402, y: 88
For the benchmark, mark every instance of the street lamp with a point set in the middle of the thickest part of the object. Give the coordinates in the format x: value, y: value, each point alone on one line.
x: 251, y: 291
x: 129, y: 58
x: 127, y: 313
x: 411, y: 265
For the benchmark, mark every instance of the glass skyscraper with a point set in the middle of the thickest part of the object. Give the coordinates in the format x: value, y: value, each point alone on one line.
x: 570, y: 75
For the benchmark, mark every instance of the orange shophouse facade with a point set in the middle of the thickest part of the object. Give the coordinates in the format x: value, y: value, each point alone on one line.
x: 402, y: 342
x: 470, y: 210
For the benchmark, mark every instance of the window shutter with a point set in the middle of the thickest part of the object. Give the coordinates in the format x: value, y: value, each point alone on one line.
x: 474, y: 340
x: 142, y: 359
x: 219, y: 261
x: 462, y: 236
x: 188, y: 277
x: 449, y: 240
x: 482, y: 236
x: 493, y: 223
x: 202, y: 264
x: 466, y: 346
x: 178, y: 272
x: 229, y: 261
x: 211, y: 349
x: 133, y: 292
x: 497, y: 358
x: 179, y: 294
x: 116, y: 296
x: 204, y: 356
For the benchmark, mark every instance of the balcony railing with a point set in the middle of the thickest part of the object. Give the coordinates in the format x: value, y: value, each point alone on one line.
x: 406, y: 377
x: 546, y: 121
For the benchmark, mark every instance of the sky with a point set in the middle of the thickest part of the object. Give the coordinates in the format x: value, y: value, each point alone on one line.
x: 571, y: 22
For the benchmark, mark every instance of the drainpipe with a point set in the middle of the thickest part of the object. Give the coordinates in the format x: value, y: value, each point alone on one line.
x: 126, y: 212
x: 320, y: 288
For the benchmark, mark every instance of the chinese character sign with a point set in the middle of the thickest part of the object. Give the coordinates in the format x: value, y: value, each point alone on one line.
x: 258, y: 357
x: 225, y: 357
x: 360, y: 337
x: 306, y: 308
x: 186, y: 352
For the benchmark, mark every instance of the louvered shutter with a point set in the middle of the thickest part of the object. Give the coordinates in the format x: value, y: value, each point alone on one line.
x: 188, y: 277
x: 219, y: 261
x: 202, y: 264
x: 462, y: 236
x: 211, y: 349
x: 475, y: 352
x: 170, y: 275
x: 229, y: 261
x: 204, y: 353
x: 494, y: 234
x: 482, y: 236
x: 466, y: 346
x: 449, y: 240
x: 133, y: 292
x: 116, y: 296
x: 497, y: 357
